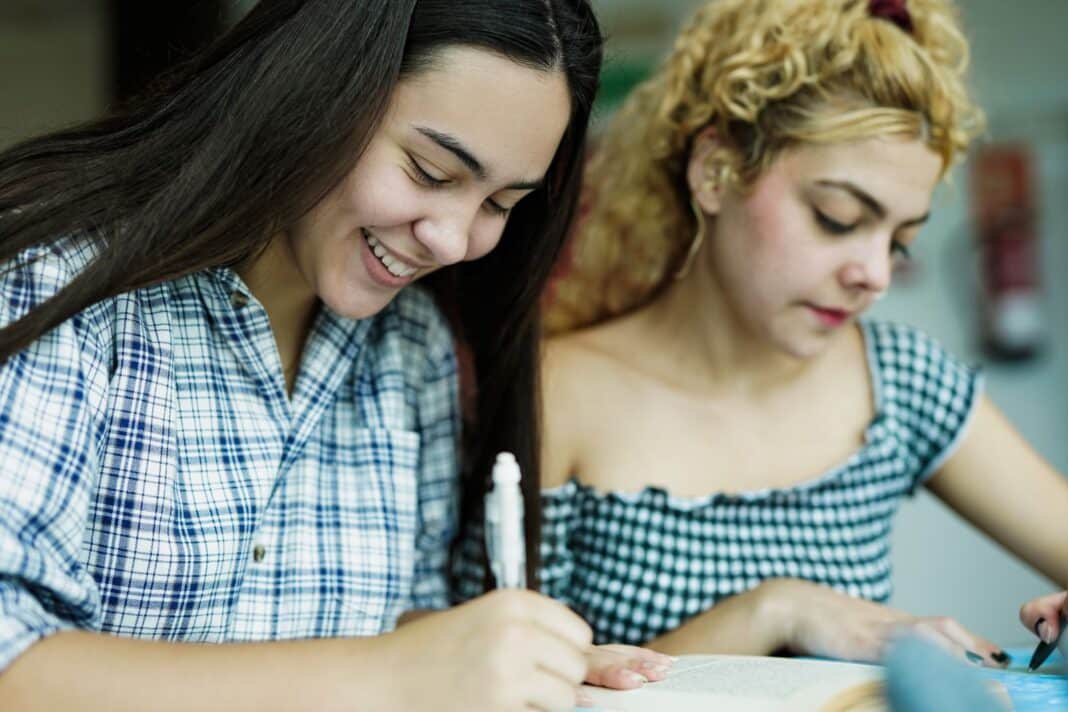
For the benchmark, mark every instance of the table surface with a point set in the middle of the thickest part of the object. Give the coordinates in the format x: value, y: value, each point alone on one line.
x: 1044, y: 690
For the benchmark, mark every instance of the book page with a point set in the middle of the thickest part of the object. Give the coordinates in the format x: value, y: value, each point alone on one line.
x: 752, y: 684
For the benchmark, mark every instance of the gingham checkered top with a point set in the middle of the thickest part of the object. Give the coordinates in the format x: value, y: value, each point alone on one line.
x: 157, y: 482
x: 635, y: 566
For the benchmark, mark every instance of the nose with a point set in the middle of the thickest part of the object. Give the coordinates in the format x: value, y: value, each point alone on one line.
x: 446, y: 233
x: 869, y: 268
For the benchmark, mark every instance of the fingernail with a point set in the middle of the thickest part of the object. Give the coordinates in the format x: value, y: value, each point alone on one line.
x: 637, y: 677
x: 999, y: 656
x: 974, y: 657
x: 1045, y: 632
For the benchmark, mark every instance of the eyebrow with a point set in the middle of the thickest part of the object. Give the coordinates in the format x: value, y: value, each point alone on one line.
x: 871, y: 203
x: 454, y: 146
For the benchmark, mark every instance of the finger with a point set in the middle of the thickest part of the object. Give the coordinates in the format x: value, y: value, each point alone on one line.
x: 617, y: 676
x: 644, y: 654
x: 558, y: 657
x: 1040, y: 615
x: 991, y: 653
x: 625, y: 666
x: 531, y: 607
x: 546, y: 692
x: 558, y: 618
x: 973, y: 648
x: 932, y: 634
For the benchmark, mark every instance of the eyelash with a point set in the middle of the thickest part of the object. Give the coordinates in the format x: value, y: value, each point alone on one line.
x: 832, y: 226
x: 429, y: 181
x: 836, y: 228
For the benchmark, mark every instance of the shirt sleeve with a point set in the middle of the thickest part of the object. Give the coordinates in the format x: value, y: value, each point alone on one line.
x: 930, y: 393
x: 438, y: 488
x: 48, y: 466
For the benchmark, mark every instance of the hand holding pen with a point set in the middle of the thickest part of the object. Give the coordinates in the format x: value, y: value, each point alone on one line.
x: 1045, y: 616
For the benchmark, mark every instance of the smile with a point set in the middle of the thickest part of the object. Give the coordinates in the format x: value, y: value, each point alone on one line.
x: 396, y: 266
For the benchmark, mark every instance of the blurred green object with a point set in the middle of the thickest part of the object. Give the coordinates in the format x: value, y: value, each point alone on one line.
x: 618, y: 78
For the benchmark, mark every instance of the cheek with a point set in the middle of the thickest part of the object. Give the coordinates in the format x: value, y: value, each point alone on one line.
x: 484, y: 238
x: 782, y: 246
x: 381, y: 198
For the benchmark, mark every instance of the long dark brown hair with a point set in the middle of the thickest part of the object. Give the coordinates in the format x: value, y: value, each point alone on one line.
x: 245, y: 138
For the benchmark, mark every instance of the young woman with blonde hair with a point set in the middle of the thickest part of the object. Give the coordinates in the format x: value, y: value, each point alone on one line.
x: 726, y: 441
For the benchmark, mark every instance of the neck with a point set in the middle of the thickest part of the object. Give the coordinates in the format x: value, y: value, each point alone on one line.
x: 700, y: 333
x: 291, y: 304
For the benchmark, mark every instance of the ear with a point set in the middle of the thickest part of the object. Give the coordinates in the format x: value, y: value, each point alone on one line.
x: 701, y: 170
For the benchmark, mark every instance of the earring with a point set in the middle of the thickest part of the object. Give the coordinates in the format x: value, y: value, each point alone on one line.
x: 695, y: 245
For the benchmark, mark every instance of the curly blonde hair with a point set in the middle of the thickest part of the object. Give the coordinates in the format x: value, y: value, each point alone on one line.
x: 765, y: 75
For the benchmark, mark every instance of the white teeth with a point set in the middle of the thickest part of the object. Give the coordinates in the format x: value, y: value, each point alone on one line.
x: 396, y: 267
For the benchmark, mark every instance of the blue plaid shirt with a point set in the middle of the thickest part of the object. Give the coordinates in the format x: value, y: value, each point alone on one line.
x: 156, y: 481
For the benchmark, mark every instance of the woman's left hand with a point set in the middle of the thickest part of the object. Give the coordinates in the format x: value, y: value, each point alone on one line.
x: 625, y: 667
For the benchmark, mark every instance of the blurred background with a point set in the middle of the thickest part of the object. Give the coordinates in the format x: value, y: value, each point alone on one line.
x: 988, y: 274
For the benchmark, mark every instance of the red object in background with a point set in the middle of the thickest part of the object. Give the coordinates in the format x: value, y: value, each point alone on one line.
x: 1003, y: 200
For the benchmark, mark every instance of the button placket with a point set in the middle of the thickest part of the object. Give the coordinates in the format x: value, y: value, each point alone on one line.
x: 238, y: 299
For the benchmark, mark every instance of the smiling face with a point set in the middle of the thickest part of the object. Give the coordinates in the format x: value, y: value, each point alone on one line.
x: 811, y: 245
x: 460, y: 145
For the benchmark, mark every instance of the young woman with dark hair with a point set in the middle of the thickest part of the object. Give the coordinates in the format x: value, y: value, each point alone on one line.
x: 225, y: 416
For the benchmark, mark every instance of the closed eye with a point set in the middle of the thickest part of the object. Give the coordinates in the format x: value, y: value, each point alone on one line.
x: 830, y: 225
x: 496, y: 208
x: 423, y: 177
x: 900, y: 249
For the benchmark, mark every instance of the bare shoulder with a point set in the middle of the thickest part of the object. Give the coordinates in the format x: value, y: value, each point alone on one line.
x: 578, y: 381
x: 581, y: 364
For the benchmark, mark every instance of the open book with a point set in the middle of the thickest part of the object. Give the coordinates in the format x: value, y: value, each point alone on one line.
x: 731, y: 683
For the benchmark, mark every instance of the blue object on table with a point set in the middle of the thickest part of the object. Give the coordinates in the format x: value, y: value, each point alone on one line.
x: 1045, y: 689
x: 921, y: 677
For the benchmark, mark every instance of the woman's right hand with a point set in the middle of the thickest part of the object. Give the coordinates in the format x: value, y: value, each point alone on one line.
x: 509, y: 650
x: 1042, y: 615
x: 818, y: 620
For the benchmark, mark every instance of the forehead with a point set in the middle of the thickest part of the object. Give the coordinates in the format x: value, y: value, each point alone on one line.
x: 511, y: 116
x: 900, y: 172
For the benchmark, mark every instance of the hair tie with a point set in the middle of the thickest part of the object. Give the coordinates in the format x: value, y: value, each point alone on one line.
x: 893, y: 11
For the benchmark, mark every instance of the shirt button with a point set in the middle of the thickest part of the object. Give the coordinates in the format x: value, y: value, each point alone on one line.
x: 238, y: 298
x: 259, y: 553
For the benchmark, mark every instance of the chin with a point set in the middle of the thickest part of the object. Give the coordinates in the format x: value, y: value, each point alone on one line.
x: 356, y: 303
x: 801, y: 346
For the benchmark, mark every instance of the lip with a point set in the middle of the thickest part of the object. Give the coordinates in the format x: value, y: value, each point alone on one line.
x: 402, y: 257
x: 829, y: 316
x: 378, y: 271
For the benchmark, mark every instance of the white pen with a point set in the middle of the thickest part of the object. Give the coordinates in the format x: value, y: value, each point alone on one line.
x: 505, y: 543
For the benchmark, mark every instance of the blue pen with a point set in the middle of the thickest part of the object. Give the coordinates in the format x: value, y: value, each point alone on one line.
x: 505, y: 542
